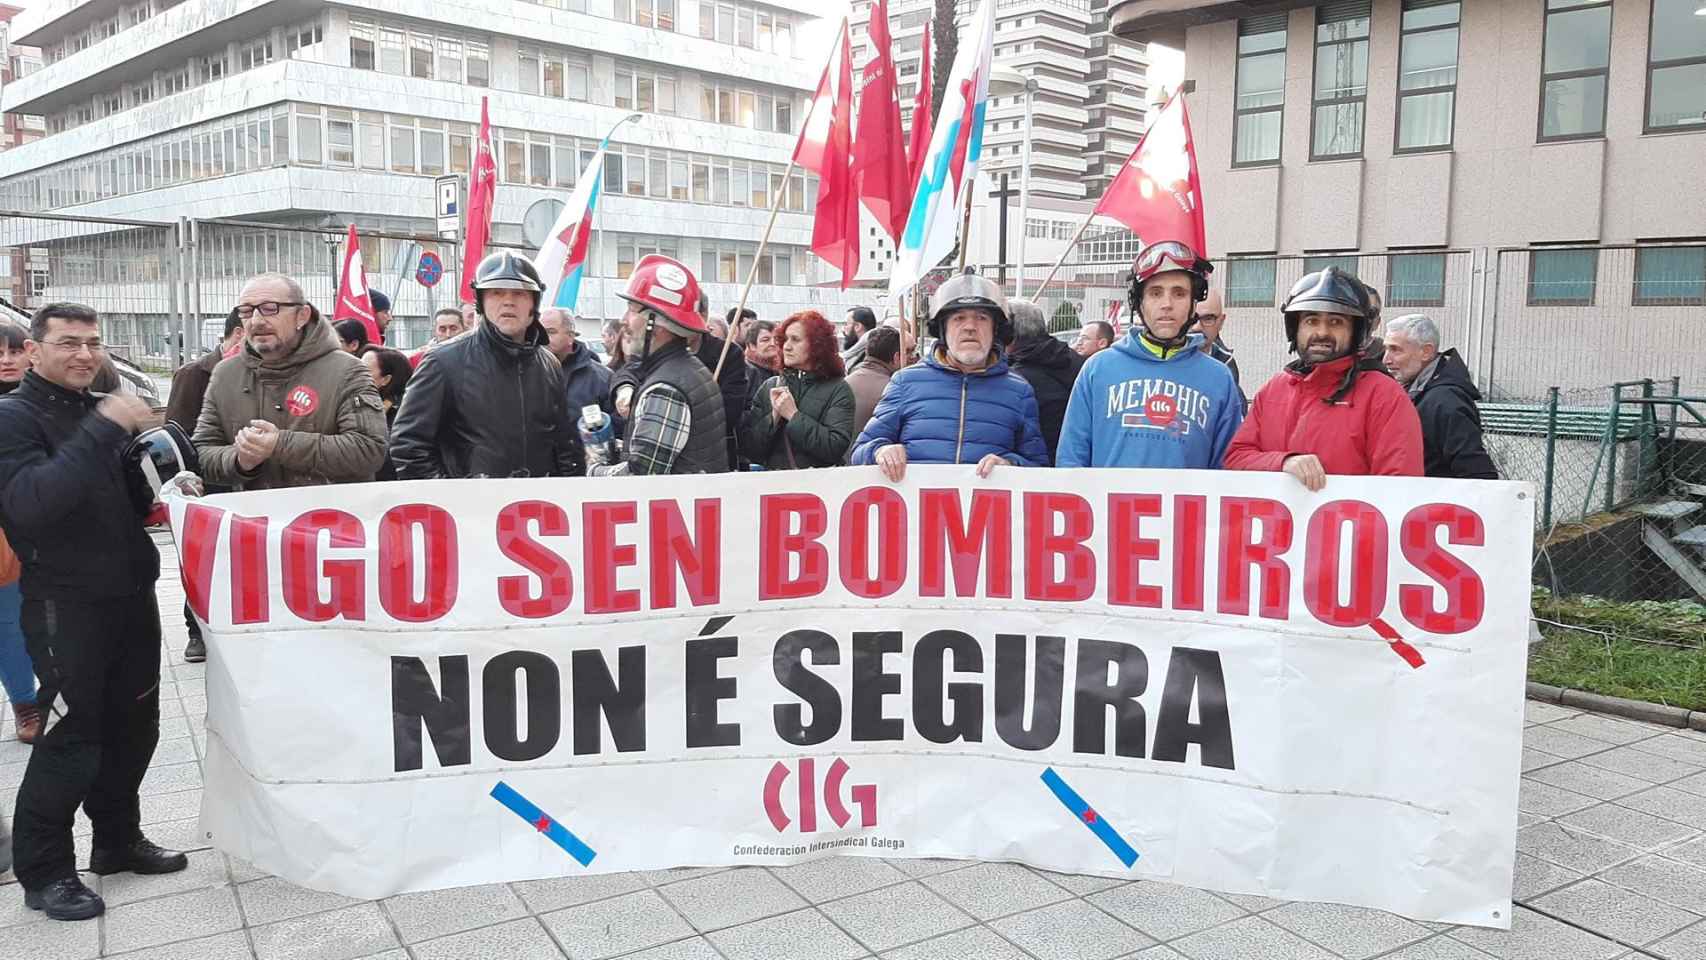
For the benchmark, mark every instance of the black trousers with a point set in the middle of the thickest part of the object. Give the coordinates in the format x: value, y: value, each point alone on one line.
x: 99, y: 666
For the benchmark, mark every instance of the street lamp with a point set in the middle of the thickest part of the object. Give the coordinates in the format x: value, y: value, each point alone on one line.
x: 1008, y: 83
x: 598, y: 215
x: 331, y: 240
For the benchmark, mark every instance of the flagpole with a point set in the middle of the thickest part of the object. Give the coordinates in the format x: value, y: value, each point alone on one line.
x: 965, y: 226
x: 752, y: 275
x: 1038, y: 295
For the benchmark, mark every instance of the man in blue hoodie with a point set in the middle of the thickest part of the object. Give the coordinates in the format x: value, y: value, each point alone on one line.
x: 1155, y: 399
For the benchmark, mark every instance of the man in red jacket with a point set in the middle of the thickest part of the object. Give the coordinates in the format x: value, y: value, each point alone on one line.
x: 1322, y: 414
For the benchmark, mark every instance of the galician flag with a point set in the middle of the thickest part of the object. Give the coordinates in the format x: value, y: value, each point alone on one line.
x: 950, y: 165
x: 562, y: 260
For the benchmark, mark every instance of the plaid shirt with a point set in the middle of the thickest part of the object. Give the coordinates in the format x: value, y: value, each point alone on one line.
x: 662, y: 422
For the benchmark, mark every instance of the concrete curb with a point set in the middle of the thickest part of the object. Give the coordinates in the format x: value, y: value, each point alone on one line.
x: 1619, y: 706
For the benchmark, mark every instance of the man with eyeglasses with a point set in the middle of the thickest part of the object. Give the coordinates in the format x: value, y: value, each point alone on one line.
x: 291, y: 409
x: 1211, y: 318
x: 1097, y: 335
x: 89, y: 616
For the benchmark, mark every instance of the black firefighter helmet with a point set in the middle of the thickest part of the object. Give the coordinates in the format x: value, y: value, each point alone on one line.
x: 507, y: 270
x: 1328, y: 291
x: 154, y: 457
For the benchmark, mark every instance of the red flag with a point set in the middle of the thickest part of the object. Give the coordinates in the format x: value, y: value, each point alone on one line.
x: 1157, y: 194
x: 879, y: 153
x: 480, y: 202
x: 921, y: 107
x: 353, y: 301
x: 825, y: 148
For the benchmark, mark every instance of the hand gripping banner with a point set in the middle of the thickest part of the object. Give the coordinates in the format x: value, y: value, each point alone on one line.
x: 1214, y: 679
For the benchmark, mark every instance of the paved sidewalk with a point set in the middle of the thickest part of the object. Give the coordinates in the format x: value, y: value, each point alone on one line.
x: 1611, y: 864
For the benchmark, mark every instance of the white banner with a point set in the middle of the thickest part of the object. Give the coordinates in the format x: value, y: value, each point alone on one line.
x: 1215, y: 679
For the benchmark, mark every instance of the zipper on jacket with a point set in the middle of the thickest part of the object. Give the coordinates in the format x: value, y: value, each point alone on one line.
x: 960, y: 440
x: 521, y: 392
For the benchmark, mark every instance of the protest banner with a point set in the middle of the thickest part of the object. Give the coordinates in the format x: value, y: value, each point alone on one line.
x: 1215, y: 679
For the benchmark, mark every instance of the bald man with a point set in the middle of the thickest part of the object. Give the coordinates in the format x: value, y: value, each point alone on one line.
x: 1211, y: 316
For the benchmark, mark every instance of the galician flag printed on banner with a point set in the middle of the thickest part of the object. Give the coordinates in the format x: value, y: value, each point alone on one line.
x: 562, y: 260
x: 1157, y: 194
x: 353, y: 301
x: 950, y: 165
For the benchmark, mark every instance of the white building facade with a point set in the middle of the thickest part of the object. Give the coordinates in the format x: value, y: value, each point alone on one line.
x: 317, y: 114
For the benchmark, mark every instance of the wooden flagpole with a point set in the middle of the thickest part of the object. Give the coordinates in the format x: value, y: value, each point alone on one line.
x: 752, y: 275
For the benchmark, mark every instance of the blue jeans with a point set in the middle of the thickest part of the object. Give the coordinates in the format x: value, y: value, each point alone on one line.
x: 17, y: 673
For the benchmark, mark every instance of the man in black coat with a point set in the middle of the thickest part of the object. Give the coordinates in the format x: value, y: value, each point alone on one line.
x: 586, y: 381
x: 89, y: 616
x: 493, y: 403
x: 1047, y: 364
x: 1445, y: 399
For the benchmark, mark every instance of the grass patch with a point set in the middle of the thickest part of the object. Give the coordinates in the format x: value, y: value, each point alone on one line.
x: 1598, y: 648
x: 1620, y: 667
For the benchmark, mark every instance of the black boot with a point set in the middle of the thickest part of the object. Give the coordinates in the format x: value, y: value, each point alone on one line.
x: 66, y: 899
x: 195, y: 651
x: 143, y: 856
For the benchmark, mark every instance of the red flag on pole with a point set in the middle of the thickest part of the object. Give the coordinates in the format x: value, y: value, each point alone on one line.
x: 1157, y: 194
x: 825, y: 148
x: 1114, y: 316
x: 480, y: 202
x: 353, y: 301
x: 921, y: 107
x: 879, y: 158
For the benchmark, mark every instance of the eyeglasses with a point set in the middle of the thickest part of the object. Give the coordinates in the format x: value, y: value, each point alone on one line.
x: 266, y: 308
x: 72, y: 345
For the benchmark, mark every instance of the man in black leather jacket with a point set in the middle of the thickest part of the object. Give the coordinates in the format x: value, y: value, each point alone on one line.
x: 491, y: 404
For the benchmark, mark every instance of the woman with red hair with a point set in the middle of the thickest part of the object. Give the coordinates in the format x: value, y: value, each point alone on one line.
x: 803, y: 418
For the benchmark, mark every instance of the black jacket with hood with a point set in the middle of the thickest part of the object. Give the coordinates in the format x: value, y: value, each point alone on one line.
x: 1451, y: 423
x: 486, y: 406
x: 1050, y: 367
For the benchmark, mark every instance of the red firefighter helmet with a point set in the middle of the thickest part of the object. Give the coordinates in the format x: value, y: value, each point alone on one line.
x: 667, y: 288
x: 1167, y: 255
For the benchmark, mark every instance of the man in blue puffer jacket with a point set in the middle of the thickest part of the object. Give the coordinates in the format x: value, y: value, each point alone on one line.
x: 962, y: 404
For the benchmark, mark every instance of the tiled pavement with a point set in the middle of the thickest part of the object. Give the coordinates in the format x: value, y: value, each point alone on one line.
x: 1611, y: 864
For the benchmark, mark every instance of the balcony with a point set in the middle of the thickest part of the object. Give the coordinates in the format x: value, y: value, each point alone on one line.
x: 1165, y: 21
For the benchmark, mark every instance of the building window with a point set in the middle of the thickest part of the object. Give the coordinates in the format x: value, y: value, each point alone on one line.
x: 1416, y: 280
x: 1574, y: 68
x: 1250, y: 283
x: 1562, y: 278
x: 340, y: 138
x: 361, y: 44
x: 479, y: 63
x: 1341, y: 79
x: 1346, y: 264
x: 1670, y: 276
x: 1676, y: 66
x: 1427, y: 74
x: 1261, y: 90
